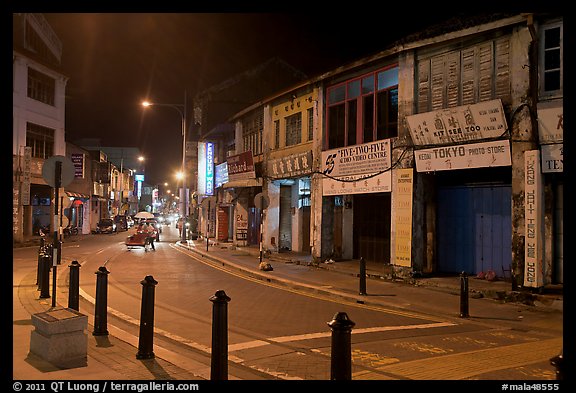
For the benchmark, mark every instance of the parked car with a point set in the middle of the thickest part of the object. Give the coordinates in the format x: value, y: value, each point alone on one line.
x: 105, y: 225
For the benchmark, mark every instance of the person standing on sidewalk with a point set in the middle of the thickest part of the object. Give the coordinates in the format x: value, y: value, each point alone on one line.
x: 151, y: 231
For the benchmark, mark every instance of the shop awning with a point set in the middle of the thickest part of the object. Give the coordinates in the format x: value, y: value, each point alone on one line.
x: 77, y: 195
x: 243, y: 183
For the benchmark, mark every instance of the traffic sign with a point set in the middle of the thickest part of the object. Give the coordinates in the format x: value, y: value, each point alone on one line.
x: 49, y: 169
x: 261, y: 201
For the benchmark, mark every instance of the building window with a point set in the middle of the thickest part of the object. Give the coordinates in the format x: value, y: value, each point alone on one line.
x: 41, y: 87
x: 277, y: 134
x: 252, y: 128
x: 551, y: 59
x: 36, y: 44
x: 364, y: 109
x: 40, y: 139
x: 294, y: 129
x: 310, y: 123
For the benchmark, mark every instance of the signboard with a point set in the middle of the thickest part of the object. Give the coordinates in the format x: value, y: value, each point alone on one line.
x: 241, y: 166
x: 357, y: 184
x: 25, y: 190
x: 361, y: 159
x: 209, y: 168
x: 403, y: 216
x: 533, y: 221
x: 473, y: 155
x: 293, y: 165
x: 552, y: 158
x: 78, y: 161
x: 482, y: 120
x: 241, y: 227
x: 221, y: 174
x: 551, y: 121
x: 49, y: 174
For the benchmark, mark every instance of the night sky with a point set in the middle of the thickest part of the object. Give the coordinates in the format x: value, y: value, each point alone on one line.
x: 116, y: 60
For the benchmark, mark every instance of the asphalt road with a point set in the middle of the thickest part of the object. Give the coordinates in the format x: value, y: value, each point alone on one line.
x: 275, y: 332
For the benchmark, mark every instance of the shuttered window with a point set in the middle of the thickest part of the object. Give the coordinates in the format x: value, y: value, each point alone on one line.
x: 472, y: 74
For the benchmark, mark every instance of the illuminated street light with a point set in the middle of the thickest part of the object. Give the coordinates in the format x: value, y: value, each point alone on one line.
x: 181, y: 108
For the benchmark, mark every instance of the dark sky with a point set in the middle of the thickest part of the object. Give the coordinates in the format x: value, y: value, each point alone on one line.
x: 115, y: 60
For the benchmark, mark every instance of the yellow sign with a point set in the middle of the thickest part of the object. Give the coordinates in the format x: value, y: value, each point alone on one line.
x: 403, y: 216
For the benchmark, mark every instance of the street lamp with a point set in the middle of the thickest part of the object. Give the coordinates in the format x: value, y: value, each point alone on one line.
x: 181, y: 108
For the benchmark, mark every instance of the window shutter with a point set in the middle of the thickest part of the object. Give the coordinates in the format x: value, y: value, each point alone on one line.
x: 453, y: 79
x: 468, y: 76
x: 502, y: 56
x: 486, y: 71
x: 423, y: 85
x: 438, y: 70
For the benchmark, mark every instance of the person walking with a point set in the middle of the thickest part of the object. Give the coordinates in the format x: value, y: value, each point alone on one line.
x: 151, y: 235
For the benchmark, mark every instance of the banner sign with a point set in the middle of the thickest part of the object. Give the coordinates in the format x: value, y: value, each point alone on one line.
x: 473, y: 155
x: 241, y: 166
x: 25, y: 186
x: 294, y: 165
x: 361, y: 159
x: 552, y: 158
x: 403, y: 216
x: 357, y: 184
x: 78, y: 161
x: 221, y: 174
x: 209, y: 168
x: 551, y: 121
x: 533, y: 221
x: 483, y: 120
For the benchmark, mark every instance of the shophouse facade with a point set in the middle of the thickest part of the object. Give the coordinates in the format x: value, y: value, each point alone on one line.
x: 470, y: 189
x: 38, y: 108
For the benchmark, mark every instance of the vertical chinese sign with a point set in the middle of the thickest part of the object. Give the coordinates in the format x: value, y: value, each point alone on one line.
x: 403, y: 216
x: 533, y: 224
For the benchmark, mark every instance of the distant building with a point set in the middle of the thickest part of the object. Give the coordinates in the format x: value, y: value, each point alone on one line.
x: 38, y: 108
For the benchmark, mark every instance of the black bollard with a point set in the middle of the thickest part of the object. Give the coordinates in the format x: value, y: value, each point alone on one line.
x: 101, y: 306
x: 74, y: 286
x: 341, y: 356
x: 146, y: 338
x: 41, y: 252
x: 45, y: 276
x: 558, y: 362
x: 219, y: 363
x: 464, y: 295
x: 362, y: 276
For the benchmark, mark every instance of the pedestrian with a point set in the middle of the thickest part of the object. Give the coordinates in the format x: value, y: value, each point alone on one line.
x: 151, y: 235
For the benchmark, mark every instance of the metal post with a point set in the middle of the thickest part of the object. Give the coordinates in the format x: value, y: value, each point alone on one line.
x: 57, y: 226
x: 362, y: 276
x: 464, y: 295
x: 45, y: 275
x: 208, y: 226
x: 146, y: 338
x: 341, y: 356
x: 74, y: 286
x: 219, y: 362
x: 101, y: 306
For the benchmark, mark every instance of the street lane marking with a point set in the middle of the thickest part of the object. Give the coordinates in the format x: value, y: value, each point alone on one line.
x: 311, y: 336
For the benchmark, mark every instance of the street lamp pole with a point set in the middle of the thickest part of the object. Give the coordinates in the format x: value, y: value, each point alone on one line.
x: 181, y: 108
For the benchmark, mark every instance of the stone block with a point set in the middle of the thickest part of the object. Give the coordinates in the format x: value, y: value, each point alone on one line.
x: 60, y: 337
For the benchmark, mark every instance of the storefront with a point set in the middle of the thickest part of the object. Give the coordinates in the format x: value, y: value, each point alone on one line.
x: 357, y: 202
x: 469, y: 174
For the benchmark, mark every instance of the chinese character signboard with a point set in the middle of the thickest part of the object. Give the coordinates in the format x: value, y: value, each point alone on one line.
x: 482, y: 120
x: 294, y: 165
x: 403, y: 217
x: 533, y: 221
x: 78, y: 161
